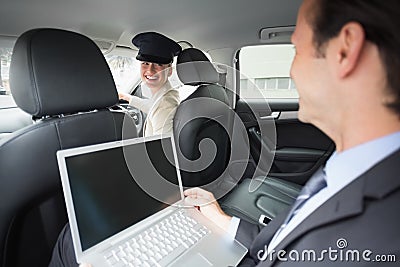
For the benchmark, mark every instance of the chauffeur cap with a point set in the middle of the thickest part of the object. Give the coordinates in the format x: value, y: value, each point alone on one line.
x: 156, y: 48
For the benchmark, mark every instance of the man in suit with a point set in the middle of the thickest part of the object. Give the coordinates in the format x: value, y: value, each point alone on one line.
x: 346, y: 69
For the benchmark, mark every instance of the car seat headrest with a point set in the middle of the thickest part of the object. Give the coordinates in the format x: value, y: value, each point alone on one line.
x: 57, y: 72
x: 194, y: 68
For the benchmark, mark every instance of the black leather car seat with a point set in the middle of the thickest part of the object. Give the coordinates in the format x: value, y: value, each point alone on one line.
x: 202, y: 121
x: 206, y: 114
x: 62, y: 79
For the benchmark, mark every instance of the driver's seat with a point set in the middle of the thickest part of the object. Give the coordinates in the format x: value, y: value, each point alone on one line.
x: 62, y: 79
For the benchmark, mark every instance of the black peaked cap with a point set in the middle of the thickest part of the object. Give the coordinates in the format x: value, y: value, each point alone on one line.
x: 156, y: 48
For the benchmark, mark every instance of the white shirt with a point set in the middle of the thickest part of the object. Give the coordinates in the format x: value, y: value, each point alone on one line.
x: 160, y: 109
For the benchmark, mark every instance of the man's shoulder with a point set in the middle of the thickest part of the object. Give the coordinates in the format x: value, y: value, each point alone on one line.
x: 172, y: 92
x: 382, y: 179
x: 171, y: 97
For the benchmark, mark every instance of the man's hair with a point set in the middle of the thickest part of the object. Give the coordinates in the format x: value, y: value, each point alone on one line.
x: 381, y: 22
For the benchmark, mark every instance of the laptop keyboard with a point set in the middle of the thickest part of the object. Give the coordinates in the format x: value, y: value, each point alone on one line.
x: 160, y: 244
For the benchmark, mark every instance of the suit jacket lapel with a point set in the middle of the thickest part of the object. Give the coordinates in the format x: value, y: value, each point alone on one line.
x: 375, y: 183
x: 268, y: 232
x: 346, y: 203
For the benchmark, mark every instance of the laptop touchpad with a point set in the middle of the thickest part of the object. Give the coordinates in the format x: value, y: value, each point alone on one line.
x: 198, y: 260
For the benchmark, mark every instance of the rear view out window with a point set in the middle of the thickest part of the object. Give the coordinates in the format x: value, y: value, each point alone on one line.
x: 265, y: 72
x: 5, y: 59
x: 125, y: 71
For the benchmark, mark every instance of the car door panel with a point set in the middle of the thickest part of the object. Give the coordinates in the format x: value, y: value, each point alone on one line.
x: 300, y: 148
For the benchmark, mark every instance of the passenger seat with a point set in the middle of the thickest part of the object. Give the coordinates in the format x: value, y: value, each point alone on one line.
x: 62, y: 79
x: 203, y: 118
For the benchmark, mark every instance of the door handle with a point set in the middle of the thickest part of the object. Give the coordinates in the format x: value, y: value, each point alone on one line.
x: 274, y: 115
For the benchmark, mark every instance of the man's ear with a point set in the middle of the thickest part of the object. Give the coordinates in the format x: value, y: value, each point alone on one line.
x: 351, y: 41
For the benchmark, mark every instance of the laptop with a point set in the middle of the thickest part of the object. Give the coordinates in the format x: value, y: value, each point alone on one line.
x: 126, y: 207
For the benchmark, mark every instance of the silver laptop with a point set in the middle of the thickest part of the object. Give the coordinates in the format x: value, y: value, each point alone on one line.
x: 126, y: 207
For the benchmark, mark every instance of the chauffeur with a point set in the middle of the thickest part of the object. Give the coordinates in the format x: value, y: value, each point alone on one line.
x: 156, y: 53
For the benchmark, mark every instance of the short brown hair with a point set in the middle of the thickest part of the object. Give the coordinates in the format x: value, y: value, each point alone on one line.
x: 381, y: 22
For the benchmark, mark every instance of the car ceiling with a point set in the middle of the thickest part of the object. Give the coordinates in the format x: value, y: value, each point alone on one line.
x: 207, y: 24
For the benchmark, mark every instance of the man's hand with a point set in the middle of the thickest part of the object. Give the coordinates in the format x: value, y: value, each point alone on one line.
x: 208, y: 206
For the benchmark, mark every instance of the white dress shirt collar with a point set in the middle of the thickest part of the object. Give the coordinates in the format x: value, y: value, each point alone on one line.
x: 344, y: 167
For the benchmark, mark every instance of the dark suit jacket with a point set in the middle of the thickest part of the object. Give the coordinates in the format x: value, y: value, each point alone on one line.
x: 365, y: 215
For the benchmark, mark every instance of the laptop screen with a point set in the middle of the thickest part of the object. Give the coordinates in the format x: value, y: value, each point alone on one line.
x: 107, y: 187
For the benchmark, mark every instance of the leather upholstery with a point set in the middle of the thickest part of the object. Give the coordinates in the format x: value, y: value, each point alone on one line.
x: 53, y: 72
x: 45, y: 56
x: 206, y: 115
x: 272, y: 197
x: 201, y: 122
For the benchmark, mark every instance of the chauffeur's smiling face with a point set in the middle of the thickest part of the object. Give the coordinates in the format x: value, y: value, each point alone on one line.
x: 155, y: 75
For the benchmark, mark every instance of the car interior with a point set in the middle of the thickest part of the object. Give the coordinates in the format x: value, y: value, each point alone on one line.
x: 64, y: 62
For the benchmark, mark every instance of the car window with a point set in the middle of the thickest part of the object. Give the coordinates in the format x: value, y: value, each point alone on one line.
x: 5, y: 58
x: 265, y: 72
x: 125, y: 71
